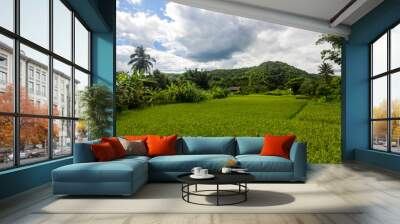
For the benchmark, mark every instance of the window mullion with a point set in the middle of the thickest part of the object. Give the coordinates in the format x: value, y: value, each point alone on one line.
x: 389, y: 104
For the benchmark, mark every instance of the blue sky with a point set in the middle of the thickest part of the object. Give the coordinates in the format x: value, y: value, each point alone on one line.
x: 181, y: 37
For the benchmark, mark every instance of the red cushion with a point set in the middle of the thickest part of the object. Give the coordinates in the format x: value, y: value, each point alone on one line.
x: 161, y: 145
x: 136, y: 137
x: 116, y: 145
x: 103, y: 152
x: 277, y: 145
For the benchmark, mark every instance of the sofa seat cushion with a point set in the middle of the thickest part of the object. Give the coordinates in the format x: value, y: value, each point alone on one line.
x: 185, y: 163
x: 257, y: 163
x: 112, y: 171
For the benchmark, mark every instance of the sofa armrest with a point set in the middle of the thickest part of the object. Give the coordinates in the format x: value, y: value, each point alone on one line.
x: 83, y: 152
x: 298, y: 155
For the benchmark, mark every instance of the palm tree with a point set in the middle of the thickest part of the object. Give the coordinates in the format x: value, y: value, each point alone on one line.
x: 140, y: 61
x: 326, y: 70
x: 334, y: 54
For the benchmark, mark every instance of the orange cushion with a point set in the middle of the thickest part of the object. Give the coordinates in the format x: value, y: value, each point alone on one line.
x: 116, y: 145
x: 136, y: 137
x: 161, y: 145
x: 103, y: 152
x: 277, y: 145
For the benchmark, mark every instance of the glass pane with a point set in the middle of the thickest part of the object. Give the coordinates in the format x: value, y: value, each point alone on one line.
x: 34, y: 97
x: 62, y: 138
x: 33, y: 139
x: 62, y: 89
x: 395, y: 132
x: 81, y: 45
x: 35, y: 21
x: 81, y: 82
x: 379, y: 97
x: 6, y: 142
x: 7, y: 14
x: 395, y: 94
x: 62, y: 29
x: 379, y: 55
x: 379, y: 135
x: 81, y: 131
x: 395, y: 47
x: 6, y: 74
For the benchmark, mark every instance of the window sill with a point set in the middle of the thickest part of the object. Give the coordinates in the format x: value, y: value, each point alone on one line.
x: 26, y: 167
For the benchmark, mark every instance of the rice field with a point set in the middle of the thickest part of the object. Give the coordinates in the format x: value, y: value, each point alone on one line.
x: 317, y: 124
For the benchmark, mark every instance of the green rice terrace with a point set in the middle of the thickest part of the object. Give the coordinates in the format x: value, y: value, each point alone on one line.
x: 317, y: 124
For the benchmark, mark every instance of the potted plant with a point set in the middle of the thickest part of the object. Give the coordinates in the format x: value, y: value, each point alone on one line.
x: 96, y: 102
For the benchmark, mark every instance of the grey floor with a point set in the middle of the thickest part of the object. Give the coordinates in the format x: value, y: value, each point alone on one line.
x: 377, y: 188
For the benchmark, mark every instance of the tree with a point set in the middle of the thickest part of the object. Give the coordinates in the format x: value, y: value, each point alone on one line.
x: 140, y: 61
x: 200, y: 78
x: 33, y: 130
x: 161, y: 79
x: 308, y: 87
x: 335, y: 53
x: 326, y: 70
x: 294, y: 84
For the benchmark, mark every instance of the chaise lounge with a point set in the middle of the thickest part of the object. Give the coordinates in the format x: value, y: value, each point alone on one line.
x: 125, y: 176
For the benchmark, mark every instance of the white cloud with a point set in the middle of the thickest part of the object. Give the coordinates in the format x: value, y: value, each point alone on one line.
x: 135, y: 2
x: 195, y: 38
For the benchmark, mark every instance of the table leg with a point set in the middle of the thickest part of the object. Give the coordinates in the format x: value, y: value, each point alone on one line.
x: 217, y: 194
x: 195, y: 188
x: 245, y: 193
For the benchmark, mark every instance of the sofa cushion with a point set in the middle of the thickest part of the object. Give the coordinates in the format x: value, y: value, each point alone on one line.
x: 257, y: 163
x: 103, y: 152
x: 249, y: 145
x: 185, y: 163
x: 161, y: 145
x: 116, y: 145
x: 112, y: 171
x: 277, y: 145
x: 208, y: 145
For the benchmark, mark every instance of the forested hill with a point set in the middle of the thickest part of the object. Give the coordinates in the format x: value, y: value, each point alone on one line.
x: 268, y: 75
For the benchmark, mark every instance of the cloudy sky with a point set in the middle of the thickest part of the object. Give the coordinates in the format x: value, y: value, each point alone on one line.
x: 181, y: 37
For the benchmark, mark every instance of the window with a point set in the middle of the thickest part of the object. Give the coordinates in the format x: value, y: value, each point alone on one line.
x: 81, y: 45
x: 6, y: 74
x: 62, y: 74
x: 3, y: 78
x: 31, y: 76
x: 385, y: 93
x: 6, y: 142
x: 30, y: 87
x: 47, y: 77
x: 7, y: 14
x: 62, y: 29
x: 35, y: 21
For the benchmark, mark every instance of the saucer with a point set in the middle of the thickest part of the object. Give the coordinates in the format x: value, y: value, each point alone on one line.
x: 208, y: 176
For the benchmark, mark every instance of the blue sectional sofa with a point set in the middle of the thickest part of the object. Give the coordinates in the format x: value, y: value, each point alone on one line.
x: 125, y: 176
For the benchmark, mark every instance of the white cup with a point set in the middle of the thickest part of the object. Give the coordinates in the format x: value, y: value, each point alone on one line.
x: 226, y: 170
x: 203, y: 172
x: 196, y: 171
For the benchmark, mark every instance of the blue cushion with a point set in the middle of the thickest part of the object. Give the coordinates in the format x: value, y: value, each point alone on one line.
x: 185, y: 163
x: 208, y: 145
x: 257, y: 163
x: 83, y: 152
x: 249, y: 145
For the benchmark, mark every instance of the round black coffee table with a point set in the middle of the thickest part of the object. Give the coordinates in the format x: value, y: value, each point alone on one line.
x: 238, y: 179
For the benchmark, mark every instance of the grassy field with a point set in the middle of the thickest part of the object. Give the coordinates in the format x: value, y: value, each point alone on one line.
x: 317, y: 124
